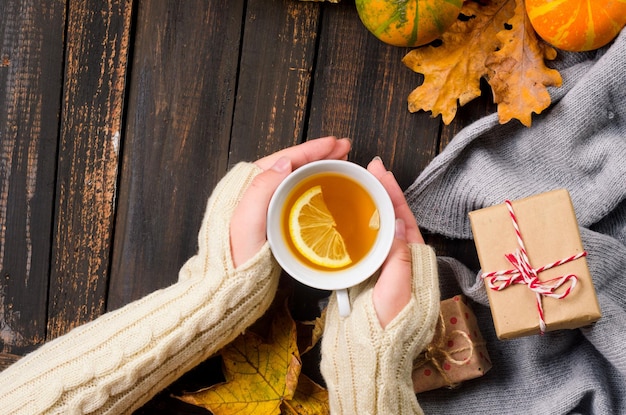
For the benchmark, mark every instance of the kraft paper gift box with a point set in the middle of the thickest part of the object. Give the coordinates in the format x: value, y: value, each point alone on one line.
x: 560, y: 297
x: 457, y: 352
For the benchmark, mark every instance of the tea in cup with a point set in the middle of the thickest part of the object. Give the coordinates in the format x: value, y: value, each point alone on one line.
x: 330, y: 225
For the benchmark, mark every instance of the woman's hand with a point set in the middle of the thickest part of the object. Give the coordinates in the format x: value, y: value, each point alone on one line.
x: 367, y: 356
x: 247, y: 228
x: 393, y: 289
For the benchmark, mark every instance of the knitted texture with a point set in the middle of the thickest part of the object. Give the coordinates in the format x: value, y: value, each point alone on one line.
x: 579, y: 143
x: 367, y: 369
x: 117, y: 362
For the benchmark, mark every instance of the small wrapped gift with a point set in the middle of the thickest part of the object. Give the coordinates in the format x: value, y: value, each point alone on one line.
x: 457, y: 351
x: 534, y: 265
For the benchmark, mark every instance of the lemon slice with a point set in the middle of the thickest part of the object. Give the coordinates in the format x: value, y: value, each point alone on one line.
x: 313, y: 231
x: 374, y: 223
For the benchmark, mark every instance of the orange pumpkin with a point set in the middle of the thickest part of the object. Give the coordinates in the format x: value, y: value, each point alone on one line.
x: 577, y: 25
x: 408, y: 23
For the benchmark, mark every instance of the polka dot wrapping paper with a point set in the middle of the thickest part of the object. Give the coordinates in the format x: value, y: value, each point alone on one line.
x: 457, y: 352
x: 534, y: 265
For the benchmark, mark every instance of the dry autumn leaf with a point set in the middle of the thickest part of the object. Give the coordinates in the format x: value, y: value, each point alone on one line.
x: 483, y: 44
x: 452, y: 70
x: 310, y: 399
x: 518, y: 75
x: 310, y: 332
x: 263, y: 376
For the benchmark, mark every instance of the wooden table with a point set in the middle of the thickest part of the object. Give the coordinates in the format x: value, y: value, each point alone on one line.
x: 118, y: 118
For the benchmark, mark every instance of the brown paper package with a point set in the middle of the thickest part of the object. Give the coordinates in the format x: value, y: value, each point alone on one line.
x: 457, y: 353
x: 549, y: 230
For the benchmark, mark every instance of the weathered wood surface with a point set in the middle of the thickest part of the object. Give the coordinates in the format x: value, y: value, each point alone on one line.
x: 31, y: 74
x: 176, y: 142
x: 118, y: 118
x: 92, y: 108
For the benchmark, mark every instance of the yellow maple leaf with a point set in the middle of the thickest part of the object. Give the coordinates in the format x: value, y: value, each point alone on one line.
x: 309, y: 399
x: 453, y: 69
x: 263, y: 376
x: 518, y: 75
x: 259, y: 375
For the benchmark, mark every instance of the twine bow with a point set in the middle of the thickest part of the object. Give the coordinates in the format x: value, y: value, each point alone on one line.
x: 523, y: 273
x: 436, y: 353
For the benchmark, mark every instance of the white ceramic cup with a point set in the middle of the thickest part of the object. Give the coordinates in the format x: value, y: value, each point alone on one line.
x: 335, y: 280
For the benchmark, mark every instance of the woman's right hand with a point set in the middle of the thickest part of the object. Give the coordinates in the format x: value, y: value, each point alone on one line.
x: 247, y: 227
x: 392, y: 291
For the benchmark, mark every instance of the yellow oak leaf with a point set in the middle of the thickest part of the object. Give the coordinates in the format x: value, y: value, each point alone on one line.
x: 518, y: 75
x: 260, y: 375
x: 452, y: 70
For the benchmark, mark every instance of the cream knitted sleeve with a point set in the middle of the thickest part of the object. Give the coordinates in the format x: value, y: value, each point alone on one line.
x: 119, y: 361
x: 367, y: 369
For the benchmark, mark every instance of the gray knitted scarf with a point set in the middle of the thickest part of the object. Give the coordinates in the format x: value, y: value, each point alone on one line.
x: 579, y: 143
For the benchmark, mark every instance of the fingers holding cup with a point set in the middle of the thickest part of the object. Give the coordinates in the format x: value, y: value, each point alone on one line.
x: 247, y: 228
x: 393, y: 289
x: 331, y: 225
x: 325, y: 148
x: 401, y: 207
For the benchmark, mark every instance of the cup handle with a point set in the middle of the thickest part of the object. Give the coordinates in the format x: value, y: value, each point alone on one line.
x: 343, y: 302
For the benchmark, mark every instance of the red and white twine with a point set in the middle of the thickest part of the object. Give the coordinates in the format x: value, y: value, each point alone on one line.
x: 523, y: 273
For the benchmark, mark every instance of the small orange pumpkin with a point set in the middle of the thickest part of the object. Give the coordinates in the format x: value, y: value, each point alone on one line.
x: 408, y: 23
x: 577, y: 25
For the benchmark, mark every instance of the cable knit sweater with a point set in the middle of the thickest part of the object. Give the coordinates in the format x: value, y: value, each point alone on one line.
x: 367, y: 368
x: 119, y: 361
x: 116, y: 363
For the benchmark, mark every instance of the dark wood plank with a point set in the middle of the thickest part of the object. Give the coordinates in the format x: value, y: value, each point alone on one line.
x: 31, y: 59
x: 98, y: 39
x: 470, y: 112
x: 275, y: 76
x: 360, y: 91
x: 463, y: 250
x: 176, y: 145
x: 275, y: 71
